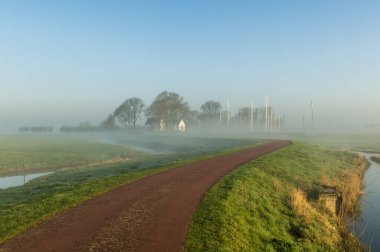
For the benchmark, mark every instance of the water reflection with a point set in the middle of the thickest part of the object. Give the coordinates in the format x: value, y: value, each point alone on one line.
x: 12, y: 181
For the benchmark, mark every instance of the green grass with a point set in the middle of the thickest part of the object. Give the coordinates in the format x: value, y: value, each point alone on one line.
x: 25, y: 153
x: 249, y: 209
x: 23, y: 207
x: 359, y: 142
x: 26, y: 206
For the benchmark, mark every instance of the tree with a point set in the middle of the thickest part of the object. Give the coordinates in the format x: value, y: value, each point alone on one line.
x: 109, y: 122
x: 210, y: 110
x: 129, y: 112
x: 82, y: 127
x: 244, y: 114
x: 170, y: 107
x: 193, y: 118
x: 24, y: 129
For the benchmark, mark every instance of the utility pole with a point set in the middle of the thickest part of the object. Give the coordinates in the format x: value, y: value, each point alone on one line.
x: 266, y: 114
x: 271, y: 119
x: 220, y: 118
x: 228, y: 114
x: 303, y: 124
x: 312, y: 116
x: 251, y: 117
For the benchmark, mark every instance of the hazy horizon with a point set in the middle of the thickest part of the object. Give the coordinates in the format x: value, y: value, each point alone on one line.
x: 65, y: 62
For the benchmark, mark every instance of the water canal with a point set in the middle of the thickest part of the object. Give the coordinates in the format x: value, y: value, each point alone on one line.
x: 367, y: 226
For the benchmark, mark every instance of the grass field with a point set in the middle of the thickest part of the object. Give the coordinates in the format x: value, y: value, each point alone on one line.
x: 27, y: 153
x: 358, y: 142
x: 23, y: 207
x: 250, y: 209
x: 24, y: 153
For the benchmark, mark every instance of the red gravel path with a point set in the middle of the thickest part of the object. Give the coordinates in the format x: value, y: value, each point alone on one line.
x: 151, y: 214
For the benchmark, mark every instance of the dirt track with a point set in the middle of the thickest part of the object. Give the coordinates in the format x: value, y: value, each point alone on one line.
x: 151, y: 214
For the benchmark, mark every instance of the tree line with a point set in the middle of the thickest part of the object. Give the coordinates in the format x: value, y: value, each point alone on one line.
x: 82, y: 127
x: 169, y: 108
x: 36, y: 129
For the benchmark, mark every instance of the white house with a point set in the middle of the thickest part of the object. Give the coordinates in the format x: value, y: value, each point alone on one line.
x: 182, y: 126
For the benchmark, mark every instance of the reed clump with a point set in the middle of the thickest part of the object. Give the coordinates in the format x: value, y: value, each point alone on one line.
x: 308, y: 214
x: 349, y: 188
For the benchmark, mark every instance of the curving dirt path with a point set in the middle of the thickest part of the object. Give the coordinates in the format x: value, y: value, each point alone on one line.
x: 151, y: 214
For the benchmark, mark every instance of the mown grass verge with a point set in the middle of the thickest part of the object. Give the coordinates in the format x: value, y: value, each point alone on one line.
x: 252, y: 208
x: 24, y: 207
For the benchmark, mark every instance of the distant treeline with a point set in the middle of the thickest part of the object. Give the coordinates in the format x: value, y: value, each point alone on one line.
x: 169, y: 108
x: 36, y: 129
x: 85, y: 126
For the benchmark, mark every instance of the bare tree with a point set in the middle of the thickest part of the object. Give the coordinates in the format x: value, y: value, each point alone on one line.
x: 129, y: 112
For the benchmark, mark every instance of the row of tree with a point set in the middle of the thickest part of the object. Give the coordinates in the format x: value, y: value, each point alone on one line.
x: 36, y: 129
x: 170, y: 107
x: 82, y: 127
x: 167, y: 106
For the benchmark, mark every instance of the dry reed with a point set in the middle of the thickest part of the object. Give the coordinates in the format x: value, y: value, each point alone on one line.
x: 349, y: 186
x: 308, y: 214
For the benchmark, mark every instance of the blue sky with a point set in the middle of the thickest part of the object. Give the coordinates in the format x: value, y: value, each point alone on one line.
x: 62, y: 62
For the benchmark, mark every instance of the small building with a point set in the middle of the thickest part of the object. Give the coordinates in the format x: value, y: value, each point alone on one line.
x: 330, y: 198
x: 182, y: 126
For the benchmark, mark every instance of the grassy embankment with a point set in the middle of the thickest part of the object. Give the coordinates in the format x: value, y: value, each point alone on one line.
x: 28, y: 153
x: 26, y: 206
x: 270, y: 204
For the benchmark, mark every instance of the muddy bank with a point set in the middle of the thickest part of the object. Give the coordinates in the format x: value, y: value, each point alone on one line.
x: 376, y: 159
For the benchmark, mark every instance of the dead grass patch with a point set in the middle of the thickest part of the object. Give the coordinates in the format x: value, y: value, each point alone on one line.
x: 312, y: 217
x: 350, y: 187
